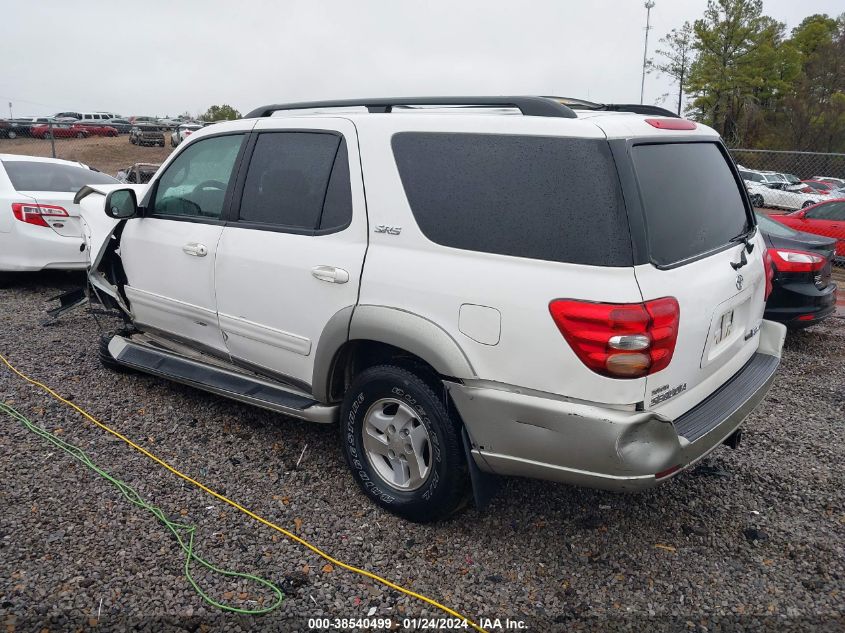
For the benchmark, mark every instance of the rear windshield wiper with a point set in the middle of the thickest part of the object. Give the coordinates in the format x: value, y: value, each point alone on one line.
x: 744, y: 239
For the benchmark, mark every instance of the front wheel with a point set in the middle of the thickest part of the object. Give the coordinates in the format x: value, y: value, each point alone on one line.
x: 402, y: 445
x: 757, y: 200
x: 11, y: 135
x: 808, y: 203
x: 80, y: 135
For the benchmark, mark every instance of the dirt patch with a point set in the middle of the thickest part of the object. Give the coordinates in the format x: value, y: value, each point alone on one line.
x: 108, y: 154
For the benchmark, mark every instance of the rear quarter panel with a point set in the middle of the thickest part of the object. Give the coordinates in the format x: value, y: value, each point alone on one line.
x: 410, y: 272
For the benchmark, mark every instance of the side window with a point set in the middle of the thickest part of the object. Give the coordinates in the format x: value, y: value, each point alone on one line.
x: 195, y: 183
x: 298, y: 180
x: 834, y: 211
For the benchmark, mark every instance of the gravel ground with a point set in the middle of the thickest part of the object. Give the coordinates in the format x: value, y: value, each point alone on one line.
x: 753, y: 539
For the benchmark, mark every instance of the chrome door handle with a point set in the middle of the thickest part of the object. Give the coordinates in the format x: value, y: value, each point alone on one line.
x: 195, y: 249
x: 331, y: 274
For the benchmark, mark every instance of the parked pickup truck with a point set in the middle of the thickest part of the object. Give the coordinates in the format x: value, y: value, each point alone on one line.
x: 147, y: 135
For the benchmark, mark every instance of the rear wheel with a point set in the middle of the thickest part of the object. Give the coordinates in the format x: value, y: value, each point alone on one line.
x: 6, y: 280
x: 80, y: 135
x: 757, y: 200
x: 402, y: 444
x: 11, y: 135
x: 808, y: 203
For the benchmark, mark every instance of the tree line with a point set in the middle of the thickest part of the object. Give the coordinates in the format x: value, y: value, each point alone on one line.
x: 759, y: 87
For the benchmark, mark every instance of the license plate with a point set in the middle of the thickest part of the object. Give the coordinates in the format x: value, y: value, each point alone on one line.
x: 724, y: 327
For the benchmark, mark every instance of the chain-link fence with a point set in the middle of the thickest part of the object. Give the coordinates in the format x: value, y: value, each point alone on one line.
x: 122, y: 148
x: 803, y: 190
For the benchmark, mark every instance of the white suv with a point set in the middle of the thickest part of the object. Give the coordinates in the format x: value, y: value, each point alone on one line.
x: 574, y: 295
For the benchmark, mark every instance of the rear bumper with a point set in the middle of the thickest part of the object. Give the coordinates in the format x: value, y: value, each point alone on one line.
x: 33, y: 248
x: 518, y: 434
x: 801, y: 305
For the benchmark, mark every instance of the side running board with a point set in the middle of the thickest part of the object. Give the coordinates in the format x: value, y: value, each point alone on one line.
x: 228, y: 383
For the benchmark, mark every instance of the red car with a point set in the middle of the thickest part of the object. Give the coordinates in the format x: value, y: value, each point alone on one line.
x: 59, y: 130
x: 825, y: 218
x: 818, y: 186
x: 100, y: 130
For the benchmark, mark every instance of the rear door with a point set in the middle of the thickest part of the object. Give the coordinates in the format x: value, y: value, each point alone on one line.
x: 828, y: 220
x: 694, y: 211
x: 291, y: 257
x: 168, y: 255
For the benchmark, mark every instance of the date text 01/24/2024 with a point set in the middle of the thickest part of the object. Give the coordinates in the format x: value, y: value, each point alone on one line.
x: 414, y: 624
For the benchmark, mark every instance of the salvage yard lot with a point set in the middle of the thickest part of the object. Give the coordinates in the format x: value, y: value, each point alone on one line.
x: 750, y: 537
x: 107, y: 154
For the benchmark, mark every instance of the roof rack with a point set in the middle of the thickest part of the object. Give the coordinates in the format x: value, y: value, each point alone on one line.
x: 635, y: 108
x: 529, y: 106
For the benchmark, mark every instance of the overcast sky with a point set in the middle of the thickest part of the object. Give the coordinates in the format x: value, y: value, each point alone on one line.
x: 155, y: 57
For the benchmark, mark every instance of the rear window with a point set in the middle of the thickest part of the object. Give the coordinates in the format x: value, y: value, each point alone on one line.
x: 36, y: 176
x: 549, y: 198
x: 691, y: 201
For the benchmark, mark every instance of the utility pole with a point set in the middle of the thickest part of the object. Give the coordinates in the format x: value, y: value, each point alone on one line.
x: 649, y: 5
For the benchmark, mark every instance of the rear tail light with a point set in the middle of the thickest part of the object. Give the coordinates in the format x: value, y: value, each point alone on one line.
x: 620, y: 340
x: 792, y: 261
x: 32, y: 213
x: 770, y: 274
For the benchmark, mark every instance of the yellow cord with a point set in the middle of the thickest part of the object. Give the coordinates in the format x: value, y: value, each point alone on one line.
x: 237, y: 506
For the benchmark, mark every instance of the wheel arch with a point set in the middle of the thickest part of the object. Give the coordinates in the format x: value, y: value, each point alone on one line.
x: 358, y: 337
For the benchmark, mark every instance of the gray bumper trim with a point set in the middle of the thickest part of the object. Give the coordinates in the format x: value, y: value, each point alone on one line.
x: 730, y: 397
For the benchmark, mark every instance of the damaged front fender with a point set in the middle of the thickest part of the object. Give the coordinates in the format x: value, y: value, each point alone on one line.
x: 102, y: 240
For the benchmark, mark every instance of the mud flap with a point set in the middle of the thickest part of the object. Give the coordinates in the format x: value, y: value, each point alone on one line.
x: 484, y: 485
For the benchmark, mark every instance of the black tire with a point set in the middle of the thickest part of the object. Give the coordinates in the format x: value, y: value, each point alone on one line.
x: 757, y: 200
x: 446, y: 487
x: 6, y: 280
x: 80, y: 135
x: 106, y: 359
x: 11, y: 135
x: 808, y: 203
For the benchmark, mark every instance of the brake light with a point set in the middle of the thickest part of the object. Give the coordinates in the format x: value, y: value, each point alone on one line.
x: 32, y: 213
x: 620, y: 340
x: 792, y: 261
x: 671, y: 124
x: 770, y: 274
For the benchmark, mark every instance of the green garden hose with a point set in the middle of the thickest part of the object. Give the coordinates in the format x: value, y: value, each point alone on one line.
x: 176, y: 528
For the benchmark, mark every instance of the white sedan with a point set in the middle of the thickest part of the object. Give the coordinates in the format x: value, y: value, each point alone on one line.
x: 40, y: 226
x: 766, y: 195
x: 183, y: 131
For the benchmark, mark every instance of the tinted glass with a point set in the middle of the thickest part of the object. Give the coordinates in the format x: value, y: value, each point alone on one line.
x: 769, y: 226
x: 691, y: 202
x: 195, y: 183
x: 830, y: 211
x: 288, y: 180
x: 337, y: 210
x: 35, y: 176
x: 549, y: 198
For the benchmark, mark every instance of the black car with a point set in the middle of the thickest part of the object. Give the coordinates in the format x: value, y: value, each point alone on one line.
x: 802, y: 290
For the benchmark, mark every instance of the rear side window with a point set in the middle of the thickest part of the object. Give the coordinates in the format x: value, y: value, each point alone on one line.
x: 36, y: 176
x: 831, y: 211
x: 548, y: 198
x: 691, y: 201
x: 298, y: 180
